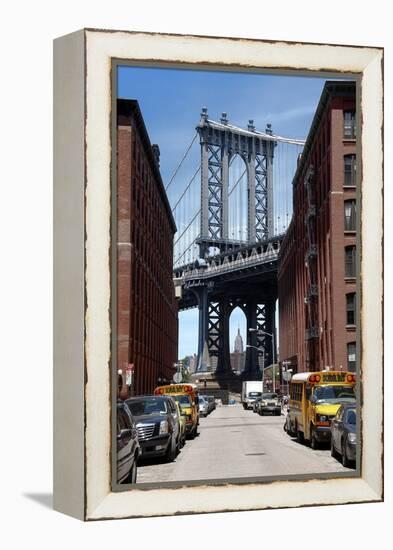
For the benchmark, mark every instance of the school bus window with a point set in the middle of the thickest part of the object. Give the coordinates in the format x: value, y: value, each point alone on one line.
x: 183, y: 400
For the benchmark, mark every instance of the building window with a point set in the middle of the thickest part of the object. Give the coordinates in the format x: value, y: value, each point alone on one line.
x: 350, y: 261
x: 350, y: 170
x: 351, y: 356
x: 349, y: 125
x: 351, y: 308
x: 350, y: 215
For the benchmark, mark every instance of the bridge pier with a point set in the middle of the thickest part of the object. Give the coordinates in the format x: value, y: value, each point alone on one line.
x: 213, y: 333
x: 252, y: 356
x: 203, y: 364
x: 223, y: 352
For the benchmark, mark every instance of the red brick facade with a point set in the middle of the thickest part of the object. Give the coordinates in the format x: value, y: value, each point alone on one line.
x: 317, y: 278
x: 146, y: 304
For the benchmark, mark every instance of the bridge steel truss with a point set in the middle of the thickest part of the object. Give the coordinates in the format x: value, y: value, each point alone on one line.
x: 220, y: 141
x: 214, y: 347
x: 244, y: 278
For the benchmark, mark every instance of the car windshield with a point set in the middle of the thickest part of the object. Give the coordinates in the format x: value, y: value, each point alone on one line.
x: 269, y: 396
x: 151, y: 405
x: 183, y: 400
x: 334, y: 393
x: 254, y: 394
x: 351, y: 417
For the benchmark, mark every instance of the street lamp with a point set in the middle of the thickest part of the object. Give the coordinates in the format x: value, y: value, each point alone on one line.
x: 273, y: 349
x: 287, y: 371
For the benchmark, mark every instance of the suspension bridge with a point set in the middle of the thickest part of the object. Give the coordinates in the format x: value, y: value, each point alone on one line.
x: 231, y: 197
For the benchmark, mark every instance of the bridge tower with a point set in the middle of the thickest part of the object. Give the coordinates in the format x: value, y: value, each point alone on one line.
x: 220, y: 141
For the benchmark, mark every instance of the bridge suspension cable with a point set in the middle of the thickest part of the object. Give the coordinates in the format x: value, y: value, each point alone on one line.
x: 182, y: 160
x: 238, y: 181
x: 185, y: 252
x: 186, y: 189
x: 184, y: 231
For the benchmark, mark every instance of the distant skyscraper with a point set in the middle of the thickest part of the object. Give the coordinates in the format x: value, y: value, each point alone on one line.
x: 239, y: 342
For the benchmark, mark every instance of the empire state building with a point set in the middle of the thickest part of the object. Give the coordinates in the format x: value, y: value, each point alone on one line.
x: 238, y: 342
x: 238, y: 356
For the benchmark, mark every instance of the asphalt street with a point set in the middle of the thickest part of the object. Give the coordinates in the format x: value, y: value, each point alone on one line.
x: 234, y: 443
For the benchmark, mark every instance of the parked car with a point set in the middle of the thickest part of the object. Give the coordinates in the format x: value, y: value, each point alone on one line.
x: 182, y: 424
x: 158, y: 425
x: 212, y: 402
x: 343, y: 434
x: 255, y: 405
x: 209, y: 406
x: 203, y: 406
x: 128, y: 448
x: 269, y: 404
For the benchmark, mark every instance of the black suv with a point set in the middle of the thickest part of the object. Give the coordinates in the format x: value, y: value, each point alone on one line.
x: 157, y: 422
x: 127, y: 445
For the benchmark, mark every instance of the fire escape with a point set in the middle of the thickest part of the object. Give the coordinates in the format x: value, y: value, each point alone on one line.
x: 311, y: 298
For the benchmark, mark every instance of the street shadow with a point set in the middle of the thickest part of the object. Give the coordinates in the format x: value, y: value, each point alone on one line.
x: 45, y: 499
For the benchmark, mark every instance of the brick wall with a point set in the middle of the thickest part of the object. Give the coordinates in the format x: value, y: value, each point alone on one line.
x: 299, y: 309
x: 147, y: 310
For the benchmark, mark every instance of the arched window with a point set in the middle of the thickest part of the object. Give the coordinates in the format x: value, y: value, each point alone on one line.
x: 350, y: 215
x: 349, y: 124
x: 350, y: 170
x: 351, y: 308
x: 350, y: 261
x: 351, y: 356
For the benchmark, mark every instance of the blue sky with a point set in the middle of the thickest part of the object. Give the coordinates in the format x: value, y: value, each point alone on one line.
x: 171, y: 101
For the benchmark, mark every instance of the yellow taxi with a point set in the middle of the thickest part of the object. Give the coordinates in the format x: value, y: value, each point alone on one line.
x: 187, y: 397
x: 314, y: 399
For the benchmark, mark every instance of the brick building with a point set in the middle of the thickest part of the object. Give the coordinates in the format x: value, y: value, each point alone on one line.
x: 146, y: 305
x: 317, y: 270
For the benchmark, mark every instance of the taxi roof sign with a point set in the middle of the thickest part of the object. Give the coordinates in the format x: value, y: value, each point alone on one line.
x: 174, y: 388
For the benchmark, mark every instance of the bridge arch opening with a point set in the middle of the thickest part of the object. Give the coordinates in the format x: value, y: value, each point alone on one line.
x: 237, y: 339
x: 188, y: 337
x: 237, y: 199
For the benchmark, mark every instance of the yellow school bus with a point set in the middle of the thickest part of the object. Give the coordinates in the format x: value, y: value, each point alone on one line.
x: 187, y: 397
x: 314, y: 399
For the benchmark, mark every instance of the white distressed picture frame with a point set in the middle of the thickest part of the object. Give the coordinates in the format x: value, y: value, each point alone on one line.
x: 82, y: 337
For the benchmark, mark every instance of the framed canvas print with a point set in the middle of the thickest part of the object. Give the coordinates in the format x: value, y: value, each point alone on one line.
x: 218, y: 274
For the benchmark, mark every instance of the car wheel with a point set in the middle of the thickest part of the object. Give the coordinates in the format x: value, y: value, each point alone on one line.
x: 290, y: 430
x: 344, y: 457
x: 313, y: 440
x: 171, y: 451
x: 133, y: 472
x: 299, y: 435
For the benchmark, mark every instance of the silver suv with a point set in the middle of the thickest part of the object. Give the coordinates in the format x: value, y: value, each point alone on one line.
x: 269, y: 404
